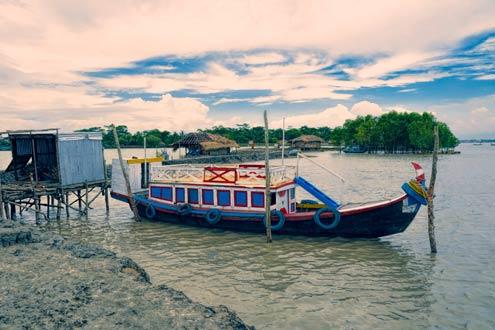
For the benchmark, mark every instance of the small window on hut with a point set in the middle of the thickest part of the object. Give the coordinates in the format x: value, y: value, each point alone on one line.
x: 180, y: 195
x: 192, y: 196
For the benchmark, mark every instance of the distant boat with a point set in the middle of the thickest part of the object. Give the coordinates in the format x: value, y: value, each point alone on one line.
x: 355, y: 150
x: 477, y: 144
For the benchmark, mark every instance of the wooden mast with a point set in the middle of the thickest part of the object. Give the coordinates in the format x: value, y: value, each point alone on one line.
x: 268, y: 220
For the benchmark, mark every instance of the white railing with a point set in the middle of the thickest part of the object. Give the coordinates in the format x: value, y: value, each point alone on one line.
x: 176, y: 173
x: 229, y: 174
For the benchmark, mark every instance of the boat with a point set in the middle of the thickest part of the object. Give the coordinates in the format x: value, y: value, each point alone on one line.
x: 232, y: 197
x: 355, y: 150
x: 477, y: 144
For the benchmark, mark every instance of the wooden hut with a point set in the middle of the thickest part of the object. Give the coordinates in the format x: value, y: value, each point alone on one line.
x: 307, y: 142
x: 205, y: 144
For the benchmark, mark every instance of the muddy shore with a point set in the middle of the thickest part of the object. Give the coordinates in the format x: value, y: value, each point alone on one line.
x: 48, y: 281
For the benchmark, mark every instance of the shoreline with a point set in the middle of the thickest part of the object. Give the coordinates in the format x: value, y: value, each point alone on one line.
x: 50, y: 281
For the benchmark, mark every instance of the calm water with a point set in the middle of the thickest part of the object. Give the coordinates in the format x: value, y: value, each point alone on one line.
x: 299, y: 282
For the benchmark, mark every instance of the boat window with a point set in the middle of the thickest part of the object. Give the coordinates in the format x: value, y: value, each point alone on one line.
x: 257, y: 199
x: 155, y: 192
x: 292, y: 193
x: 167, y: 193
x: 223, y: 197
x: 240, y: 198
x: 180, y: 195
x: 273, y: 198
x: 207, y: 195
x: 192, y: 196
x: 293, y: 207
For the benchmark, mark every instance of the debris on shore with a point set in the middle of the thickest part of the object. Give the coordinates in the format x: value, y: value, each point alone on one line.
x: 48, y: 281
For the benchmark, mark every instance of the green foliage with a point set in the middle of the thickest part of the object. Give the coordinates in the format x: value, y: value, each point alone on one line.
x: 391, y: 132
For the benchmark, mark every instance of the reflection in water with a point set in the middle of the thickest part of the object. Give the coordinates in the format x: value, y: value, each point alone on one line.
x: 300, y: 282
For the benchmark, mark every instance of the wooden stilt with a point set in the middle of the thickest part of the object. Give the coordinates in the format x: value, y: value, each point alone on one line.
x: 126, y: 176
x: 59, y: 206
x: 48, y: 207
x: 12, y: 212
x: 66, y: 200
x: 86, y: 202
x: 6, y: 210
x: 79, y: 201
x: 107, y: 206
x: 37, y: 208
x: 268, y: 220
x: 2, y: 214
x: 431, y: 192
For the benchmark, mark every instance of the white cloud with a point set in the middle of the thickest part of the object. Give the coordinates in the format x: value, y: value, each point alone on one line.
x: 331, y: 117
x: 264, y: 58
x: 364, y: 108
x: 486, y: 77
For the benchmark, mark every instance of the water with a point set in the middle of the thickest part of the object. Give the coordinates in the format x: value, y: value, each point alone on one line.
x: 298, y: 282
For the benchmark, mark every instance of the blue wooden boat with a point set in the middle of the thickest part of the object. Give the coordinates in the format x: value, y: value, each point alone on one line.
x: 232, y: 197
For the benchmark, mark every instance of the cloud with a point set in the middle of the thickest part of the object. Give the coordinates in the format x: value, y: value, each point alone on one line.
x: 331, y: 117
x: 364, y: 108
x: 264, y: 58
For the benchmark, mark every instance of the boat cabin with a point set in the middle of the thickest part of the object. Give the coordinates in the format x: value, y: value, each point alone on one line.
x: 228, y: 187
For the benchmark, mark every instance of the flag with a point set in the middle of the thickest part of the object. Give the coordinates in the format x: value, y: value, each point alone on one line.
x: 420, y: 173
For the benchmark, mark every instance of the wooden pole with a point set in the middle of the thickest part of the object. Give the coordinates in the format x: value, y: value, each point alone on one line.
x: 283, y: 140
x: 145, y: 164
x: 2, y: 213
x: 86, y: 200
x: 126, y: 176
x: 268, y: 219
x: 59, y: 206
x: 431, y: 192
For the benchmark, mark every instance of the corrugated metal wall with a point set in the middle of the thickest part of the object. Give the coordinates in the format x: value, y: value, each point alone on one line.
x: 81, y: 159
x: 118, y: 182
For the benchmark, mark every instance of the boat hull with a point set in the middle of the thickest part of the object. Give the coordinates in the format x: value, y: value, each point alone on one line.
x: 368, y: 221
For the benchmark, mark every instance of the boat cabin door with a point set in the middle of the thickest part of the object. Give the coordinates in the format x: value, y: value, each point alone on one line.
x: 283, y: 201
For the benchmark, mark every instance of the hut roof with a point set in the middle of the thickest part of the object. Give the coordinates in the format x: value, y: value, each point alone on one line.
x: 308, y: 138
x: 207, y: 141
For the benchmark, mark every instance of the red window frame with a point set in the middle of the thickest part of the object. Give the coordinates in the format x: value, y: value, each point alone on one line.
x: 258, y: 193
x: 235, y: 198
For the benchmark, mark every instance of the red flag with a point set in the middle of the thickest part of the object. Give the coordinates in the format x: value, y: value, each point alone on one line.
x: 420, y: 173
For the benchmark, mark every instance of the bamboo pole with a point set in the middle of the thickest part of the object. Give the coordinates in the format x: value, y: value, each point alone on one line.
x: 283, y: 140
x: 86, y: 200
x: 268, y: 219
x: 2, y: 213
x: 126, y: 176
x: 431, y: 192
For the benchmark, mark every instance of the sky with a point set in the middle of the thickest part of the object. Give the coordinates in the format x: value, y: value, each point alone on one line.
x: 184, y: 65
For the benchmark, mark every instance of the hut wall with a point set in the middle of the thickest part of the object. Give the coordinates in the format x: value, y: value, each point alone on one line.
x: 81, y: 159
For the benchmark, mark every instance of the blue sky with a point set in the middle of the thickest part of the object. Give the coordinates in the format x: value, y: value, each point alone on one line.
x: 183, y: 66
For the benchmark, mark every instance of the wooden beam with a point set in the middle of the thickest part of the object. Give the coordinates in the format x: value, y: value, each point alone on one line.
x: 431, y: 192
x: 126, y: 176
x: 268, y: 216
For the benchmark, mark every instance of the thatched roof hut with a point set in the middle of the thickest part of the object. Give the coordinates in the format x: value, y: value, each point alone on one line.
x: 307, y: 142
x: 205, y: 144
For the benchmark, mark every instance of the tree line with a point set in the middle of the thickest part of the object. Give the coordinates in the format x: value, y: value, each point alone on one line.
x: 390, y: 132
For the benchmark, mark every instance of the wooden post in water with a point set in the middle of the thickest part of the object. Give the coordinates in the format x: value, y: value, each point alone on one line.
x: 268, y: 219
x: 126, y: 176
x: 431, y: 192
x: 86, y: 199
x: 2, y: 214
